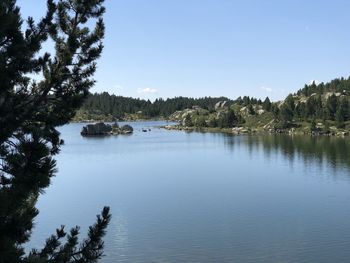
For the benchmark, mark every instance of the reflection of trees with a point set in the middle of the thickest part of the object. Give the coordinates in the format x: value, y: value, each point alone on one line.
x: 333, y: 150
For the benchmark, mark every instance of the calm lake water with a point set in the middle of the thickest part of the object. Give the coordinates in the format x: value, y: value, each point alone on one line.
x: 201, y: 197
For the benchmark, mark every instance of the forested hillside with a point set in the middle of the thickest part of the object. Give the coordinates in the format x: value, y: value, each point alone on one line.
x: 316, y: 107
x: 106, y: 106
x: 325, y: 101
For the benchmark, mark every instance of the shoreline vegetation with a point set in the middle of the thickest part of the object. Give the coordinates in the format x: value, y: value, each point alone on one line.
x: 316, y: 109
x: 249, y: 131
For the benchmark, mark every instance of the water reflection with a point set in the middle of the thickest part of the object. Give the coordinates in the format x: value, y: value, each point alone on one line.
x: 120, y: 239
x: 205, y: 197
x: 318, y: 150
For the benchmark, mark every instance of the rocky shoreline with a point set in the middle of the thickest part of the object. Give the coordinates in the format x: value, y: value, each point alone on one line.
x: 248, y: 131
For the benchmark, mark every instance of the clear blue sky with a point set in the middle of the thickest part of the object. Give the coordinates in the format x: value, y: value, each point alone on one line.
x: 167, y: 48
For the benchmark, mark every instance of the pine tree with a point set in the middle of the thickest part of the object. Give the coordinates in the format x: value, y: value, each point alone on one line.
x: 340, y: 114
x: 188, y: 121
x: 267, y: 104
x: 331, y: 106
x: 326, y: 127
x: 339, y: 119
x: 200, y: 122
x: 251, y: 110
x: 30, y: 112
x: 313, y: 125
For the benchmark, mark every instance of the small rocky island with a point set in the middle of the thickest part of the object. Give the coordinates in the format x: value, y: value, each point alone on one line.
x: 102, y: 129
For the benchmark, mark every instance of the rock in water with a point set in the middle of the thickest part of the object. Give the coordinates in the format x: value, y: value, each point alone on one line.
x: 126, y: 129
x: 99, y: 128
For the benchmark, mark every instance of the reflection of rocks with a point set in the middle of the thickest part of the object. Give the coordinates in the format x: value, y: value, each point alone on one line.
x: 102, y: 129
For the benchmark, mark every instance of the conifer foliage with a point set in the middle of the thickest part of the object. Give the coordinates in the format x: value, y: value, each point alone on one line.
x: 30, y: 111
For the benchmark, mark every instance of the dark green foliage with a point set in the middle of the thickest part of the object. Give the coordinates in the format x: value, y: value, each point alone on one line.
x: 200, y: 122
x: 188, y: 121
x: 331, y: 107
x: 275, y: 110
x: 31, y: 110
x: 251, y: 110
x: 285, y: 113
x: 267, y: 104
x: 313, y: 107
x: 213, y: 123
x: 313, y: 125
x: 341, y: 85
x: 317, y: 104
x: 229, y: 120
x: 328, y: 101
x: 90, y: 250
x: 326, y: 127
x: 118, y: 105
x: 339, y: 117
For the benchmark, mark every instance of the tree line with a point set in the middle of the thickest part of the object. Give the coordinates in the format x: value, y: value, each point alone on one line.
x: 336, y: 85
x: 326, y: 102
x: 117, y: 106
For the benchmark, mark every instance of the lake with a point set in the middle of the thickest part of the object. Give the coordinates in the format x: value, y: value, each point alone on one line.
x: 204, y: 197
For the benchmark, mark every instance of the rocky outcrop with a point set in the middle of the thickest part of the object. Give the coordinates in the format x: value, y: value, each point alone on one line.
x: 240, y: 130
x: 126, y: 129
x: 181, y: 115
x: 96, y: 129
x: 221, y: 104
x: 102, y: 129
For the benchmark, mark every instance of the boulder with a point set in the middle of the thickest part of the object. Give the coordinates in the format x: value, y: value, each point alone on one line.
x: 126, y: 129
x: 239, y: 130
x: 260, y: 111
x: 221, y: 104
x: 102, y: 129
x: 95, y: 129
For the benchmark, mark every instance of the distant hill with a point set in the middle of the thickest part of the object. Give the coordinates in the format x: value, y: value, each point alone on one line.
x: 316, y: 108
x: 106, y: 106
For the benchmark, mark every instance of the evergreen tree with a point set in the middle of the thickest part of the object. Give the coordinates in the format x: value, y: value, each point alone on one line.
x: 188, y: 121
x: 311, y: 107
x: 339, y: 119
x: 289, y: 103
x: 267, y: 104
x: 287, y: 110
x: 275, y: 110
x: 251, y: 110
x: 200, y: 122
x: 326, y: 127
x: 319, y: 107
x: 331, y: 106
x: 30, y: 111
x: 229, y: 119
x: 213, y: 123
x: 313, y: 125
x: 118, y: 106
x: 344, y: 108
x: 341, y: 113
